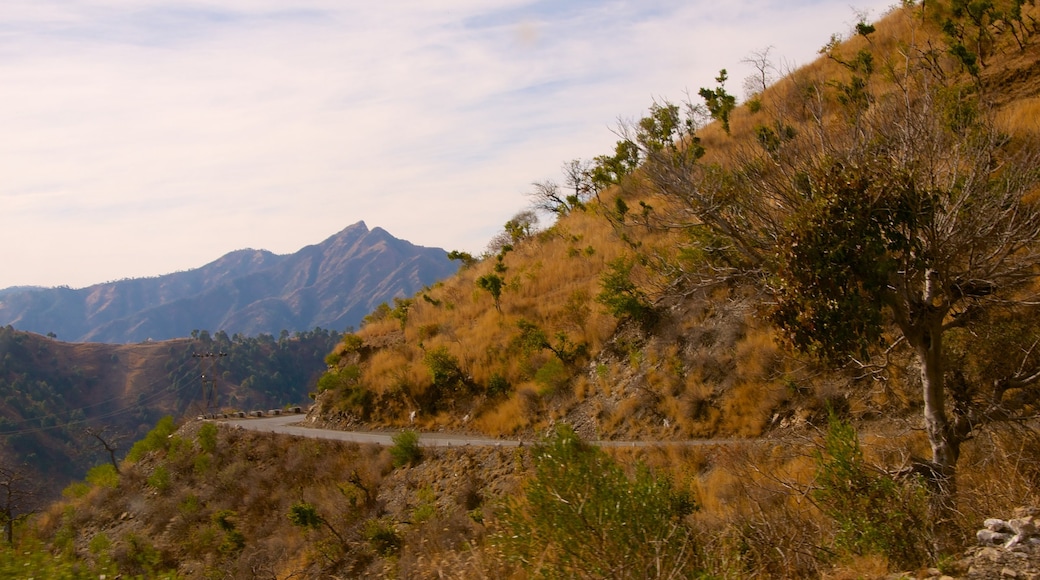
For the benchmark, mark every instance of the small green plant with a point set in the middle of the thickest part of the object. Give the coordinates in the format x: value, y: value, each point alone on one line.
x: 720, y: 103
x: 426, y: 507
x: 189, y: 506
x: 203, y: 463
x: 497, y: 385
x: 233, y: 541
x: 406, y: 449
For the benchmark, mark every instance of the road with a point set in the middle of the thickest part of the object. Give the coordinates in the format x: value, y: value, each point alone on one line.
x: 293, y: 425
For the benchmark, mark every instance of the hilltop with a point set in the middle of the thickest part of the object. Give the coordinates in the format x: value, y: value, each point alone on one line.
x: 760, y: 272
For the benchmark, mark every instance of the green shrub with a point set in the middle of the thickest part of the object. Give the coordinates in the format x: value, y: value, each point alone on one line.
x: 233, y: 541
x: 497, y: 385
x: 581, y: 516
x: 406, y: 450
x: 383, y: 537
x: 203, y: 463
x: 75, y: 490
x: 156, y: 439
x: 104, y: 475
x: 208, y: 437
x: 159, y: 479
x: 873, y: 513
x: 620, y: 294
x: 189, y: 506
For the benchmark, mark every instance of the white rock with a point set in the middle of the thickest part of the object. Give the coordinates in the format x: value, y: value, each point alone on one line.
x: 997, y: 525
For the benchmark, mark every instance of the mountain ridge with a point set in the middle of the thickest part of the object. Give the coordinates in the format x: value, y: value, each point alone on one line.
x: 331, y: 284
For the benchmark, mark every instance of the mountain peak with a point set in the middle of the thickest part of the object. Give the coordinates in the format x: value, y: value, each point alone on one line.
x: 332, y: 284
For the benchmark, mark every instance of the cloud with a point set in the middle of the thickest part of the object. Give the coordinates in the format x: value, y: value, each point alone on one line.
x: 148, y: 136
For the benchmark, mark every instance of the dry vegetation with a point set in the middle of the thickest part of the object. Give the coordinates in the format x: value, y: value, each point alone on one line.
x: 708, y: 364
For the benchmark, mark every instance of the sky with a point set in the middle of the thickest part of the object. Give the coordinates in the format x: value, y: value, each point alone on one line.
x: 144, y: 137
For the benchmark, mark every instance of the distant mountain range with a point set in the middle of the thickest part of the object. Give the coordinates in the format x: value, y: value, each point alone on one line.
x: 331, y: 285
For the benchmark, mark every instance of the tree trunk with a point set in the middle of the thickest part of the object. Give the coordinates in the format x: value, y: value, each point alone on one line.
x: 941, y: 438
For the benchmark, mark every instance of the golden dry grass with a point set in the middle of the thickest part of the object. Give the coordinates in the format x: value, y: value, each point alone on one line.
x: 715, y: 366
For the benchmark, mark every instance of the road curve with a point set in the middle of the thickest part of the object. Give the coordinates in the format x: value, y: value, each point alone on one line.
x: 293, y: 425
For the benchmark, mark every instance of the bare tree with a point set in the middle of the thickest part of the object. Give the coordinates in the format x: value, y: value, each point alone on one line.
x: 547, y: 197
x: 577, y: 178
x: 17, y: 496
x: 109, y: 442
x: 764, y: 72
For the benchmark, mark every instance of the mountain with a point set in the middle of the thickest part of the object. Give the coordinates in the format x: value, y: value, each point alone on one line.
x: 333, y: 285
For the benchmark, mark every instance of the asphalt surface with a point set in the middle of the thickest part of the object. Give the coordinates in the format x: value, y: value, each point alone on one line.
x: 292, y: 424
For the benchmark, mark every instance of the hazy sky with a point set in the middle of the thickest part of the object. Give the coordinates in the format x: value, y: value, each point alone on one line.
x: 142, y: 137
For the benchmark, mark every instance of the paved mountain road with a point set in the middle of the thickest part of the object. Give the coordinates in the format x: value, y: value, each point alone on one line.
x: 294, y: 425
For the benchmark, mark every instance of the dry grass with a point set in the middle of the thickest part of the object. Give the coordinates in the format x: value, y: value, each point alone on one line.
x: 712, y: 366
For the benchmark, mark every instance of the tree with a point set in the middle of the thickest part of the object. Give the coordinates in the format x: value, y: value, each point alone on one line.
x: 17, y: 494
x: 466, y: 258
x: 517, y: 229
x: 577, y: 178
x: 493, y: 284
x: 548, y: 198
x: 918, y: 216
x: 720, y: 103
x: 609, y: 170
x: 109, y: 442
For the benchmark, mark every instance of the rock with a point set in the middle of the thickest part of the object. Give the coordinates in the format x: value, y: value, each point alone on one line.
x: 988, y: 537
x: 997, y: 525
x: 1024, y: 526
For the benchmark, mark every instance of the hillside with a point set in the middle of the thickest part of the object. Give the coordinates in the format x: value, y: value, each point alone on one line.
x: 54, y: 396
x: 833, y: 284
x: 328, y: 285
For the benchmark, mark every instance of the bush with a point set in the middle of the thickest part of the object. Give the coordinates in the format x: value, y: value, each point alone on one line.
x: 621, y: 296
x: 159, y: 479
x: 406, y: 450
x: 104, y: 475
x: 156, y: 439
x: 208, y: 437
x: 582, y: 516
x: 874, y: 513
x: 383, y: 536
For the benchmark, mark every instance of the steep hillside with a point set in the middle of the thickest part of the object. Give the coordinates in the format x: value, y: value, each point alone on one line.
x: 328, y: 285
x: 629, y: 317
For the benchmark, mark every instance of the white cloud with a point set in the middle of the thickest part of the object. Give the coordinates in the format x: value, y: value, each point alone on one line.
x: 143, y: 137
